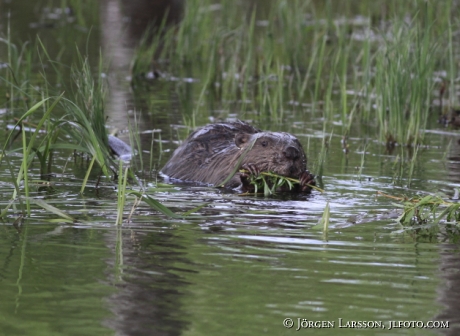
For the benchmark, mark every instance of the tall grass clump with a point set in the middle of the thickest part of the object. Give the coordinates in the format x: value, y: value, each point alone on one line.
x: 236, y: 56
x: 366, y: 62
x: 18, y: 74
x: 88, y: 115
x: 73, y: 120
x: 82, y: 115
x: 28, y: 149
x: 404, y: 83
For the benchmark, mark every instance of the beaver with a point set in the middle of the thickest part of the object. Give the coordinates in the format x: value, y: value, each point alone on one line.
x: 214, y: 152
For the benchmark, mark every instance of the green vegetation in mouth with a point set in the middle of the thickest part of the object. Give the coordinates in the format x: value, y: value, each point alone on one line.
x: 268, y: 183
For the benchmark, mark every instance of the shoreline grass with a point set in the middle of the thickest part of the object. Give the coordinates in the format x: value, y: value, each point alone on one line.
x: 263, y: 62
x: 71, y: 120
x: 74, y: 120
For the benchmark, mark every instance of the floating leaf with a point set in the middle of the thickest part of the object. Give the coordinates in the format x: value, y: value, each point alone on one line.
x: 163, y: 209
x: 52, y: 209
x: 323, y: 223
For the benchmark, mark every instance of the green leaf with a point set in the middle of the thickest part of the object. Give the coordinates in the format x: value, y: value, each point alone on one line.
x: 163, y: 209
x: 52, y: 209
x: 323, y: 223
x: 426, y: 200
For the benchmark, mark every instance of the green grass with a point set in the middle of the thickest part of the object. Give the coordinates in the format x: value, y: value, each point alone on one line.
x: 428, y: 216
x: 380, y: 71
x: 72, y: 121
x: 122, y: 181
x: 267, y: 183
x: 405, y: 72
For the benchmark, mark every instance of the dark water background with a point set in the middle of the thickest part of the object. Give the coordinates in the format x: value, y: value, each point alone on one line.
x: 252, y: 261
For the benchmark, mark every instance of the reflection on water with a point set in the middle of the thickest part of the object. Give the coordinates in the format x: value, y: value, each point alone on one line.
x: 449, y: 293
x: 150, y: 285
x: 192, y: 279
x: 449, y: 268
x: 122, y: 24
x: 52, y: 281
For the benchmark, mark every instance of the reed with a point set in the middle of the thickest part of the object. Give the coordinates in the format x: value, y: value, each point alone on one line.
x: 80, y: 116
x: 122, y: 182
x: 405, y: 66
x: 28, y: 144
x: 74, y: 120
x: 379, y: 72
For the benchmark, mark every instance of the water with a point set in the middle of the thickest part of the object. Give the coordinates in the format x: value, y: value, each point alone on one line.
x: 247, y: 263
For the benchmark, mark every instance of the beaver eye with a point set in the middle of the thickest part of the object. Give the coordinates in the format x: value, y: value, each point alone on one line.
x: 264, y: 143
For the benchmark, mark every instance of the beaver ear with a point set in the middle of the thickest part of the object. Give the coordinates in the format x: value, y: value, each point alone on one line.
x: 241, y: 139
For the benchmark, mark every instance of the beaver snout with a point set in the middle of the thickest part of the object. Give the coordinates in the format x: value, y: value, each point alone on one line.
x: 293, y: 170
x: 291, y: 153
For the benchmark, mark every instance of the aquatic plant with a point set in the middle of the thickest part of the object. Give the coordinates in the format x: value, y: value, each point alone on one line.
x: 72, y: 121
x: 28, y: 145
x: 86, y: 117
x: 121, y: 191
x: 404, y: 82
x: 153, y: 203
x: 80, y: 116
x: 428, y: 215
x: 323, y: 223
x: 381, y: 74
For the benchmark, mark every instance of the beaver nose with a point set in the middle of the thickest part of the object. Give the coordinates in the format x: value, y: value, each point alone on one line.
x: 291, y: 153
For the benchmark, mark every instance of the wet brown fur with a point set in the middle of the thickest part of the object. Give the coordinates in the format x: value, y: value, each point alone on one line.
x: 210, y: 154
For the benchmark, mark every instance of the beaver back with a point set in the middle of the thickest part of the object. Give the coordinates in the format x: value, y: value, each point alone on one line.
x: 210, y: 154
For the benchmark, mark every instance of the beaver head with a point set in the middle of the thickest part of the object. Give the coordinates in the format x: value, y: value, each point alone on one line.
x: 280, y: 153
x: 216, y: 152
